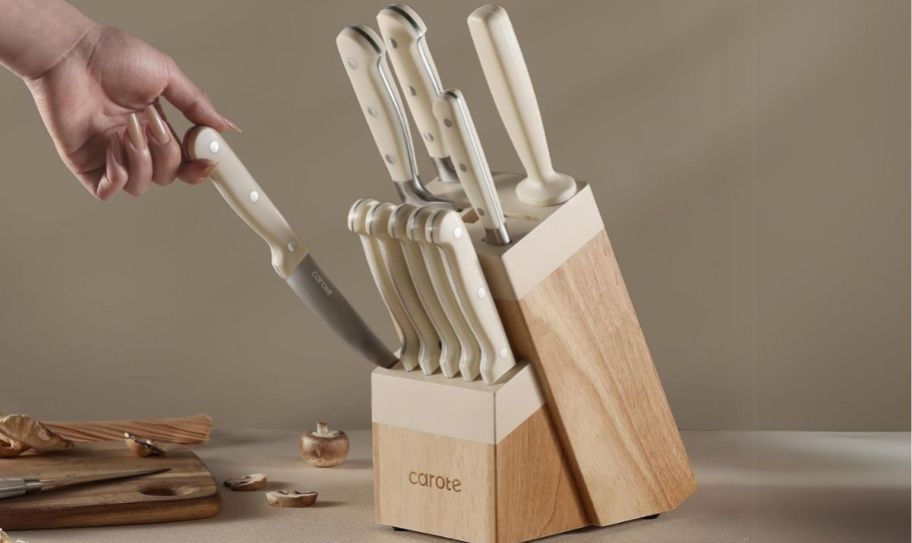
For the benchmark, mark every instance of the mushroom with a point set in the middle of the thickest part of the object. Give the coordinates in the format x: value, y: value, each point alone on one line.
x: 324, y: 448
x: 254, y: 481
x: 291, y: 498
x: 141, y: 446
x: 5, y: 538
x: 20, y: 433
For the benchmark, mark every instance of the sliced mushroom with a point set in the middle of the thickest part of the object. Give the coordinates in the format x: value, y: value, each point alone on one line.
x: 141, y: 446
x: 254, y: 481
x: 324, y: 448
x: 5, y: 538
x: 291, y: 498
x: 20, y: 433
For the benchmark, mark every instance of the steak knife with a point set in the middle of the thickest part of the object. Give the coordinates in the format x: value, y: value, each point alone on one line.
x: 405, y: 35
x: 291, y: 258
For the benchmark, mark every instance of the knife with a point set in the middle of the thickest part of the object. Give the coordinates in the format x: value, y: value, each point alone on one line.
x: 450, y: 348
x: 408, y: 335
x: 508, y: 79
x: 462, y: 141
x: 377, y: 225
x: 364, y: 59
x: 405, y: 35
x: 12, y: 487
x: 469, y: 350
x: 447, y: 231
x: 291, y: 258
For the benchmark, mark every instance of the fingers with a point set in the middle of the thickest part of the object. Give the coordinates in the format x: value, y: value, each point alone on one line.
x: 193, y: 102
x: 196, y: 172
x: 115, y: 175
x: 163, y: 148
x: 138, y: 157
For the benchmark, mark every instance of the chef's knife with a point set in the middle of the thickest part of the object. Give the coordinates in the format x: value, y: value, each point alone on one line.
x: 405, y: 35
x: 450, y: 349
x: 469, y: 351
x: 12, y: 487
x: 357, y: 223
x: 364, y: 58
x: 291, y: 258
x: 377, y: 225
x: 465, y: 148
x: 508, y: 79
x: 447, y: 231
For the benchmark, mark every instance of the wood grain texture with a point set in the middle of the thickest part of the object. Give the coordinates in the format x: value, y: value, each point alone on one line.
x: 186, y: 492
x: 536, y: 494
x: 580, y: 330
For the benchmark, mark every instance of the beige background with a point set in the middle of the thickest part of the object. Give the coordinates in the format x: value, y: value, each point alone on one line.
x: 751, y: 159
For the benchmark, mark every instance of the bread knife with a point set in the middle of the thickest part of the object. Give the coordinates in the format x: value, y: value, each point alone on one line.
x: 405, y: 36
x: 291, y: 258
x: 508, y: 79
x: 465, y: 148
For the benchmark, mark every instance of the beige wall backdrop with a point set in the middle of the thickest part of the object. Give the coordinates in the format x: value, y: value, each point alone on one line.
x: 751, y: 160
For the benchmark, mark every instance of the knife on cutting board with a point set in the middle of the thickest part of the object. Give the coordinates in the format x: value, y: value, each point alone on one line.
x: 447, y: 231
x: 377, y: 226
x: 408, y: 335
x: 469, y: 349
x: 508, y: 79
x: 291, y: 258
x: 472, y: 167
x: 450, y: 349
x: 405, y: 35
x: 364, y: 59
x: 13, y: 487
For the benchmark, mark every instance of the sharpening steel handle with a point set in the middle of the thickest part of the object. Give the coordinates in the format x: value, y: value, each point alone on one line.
x: 405, y: 36
x: 247, y: 198
x: 508, y: 78
x: 364, y: 58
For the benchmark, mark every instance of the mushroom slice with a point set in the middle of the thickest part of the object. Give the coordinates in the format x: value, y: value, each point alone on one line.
x: 291, y: 498
x: 254, y: 481
x: 5, y: 538
x: 141, y: 446
x: 19, y: 433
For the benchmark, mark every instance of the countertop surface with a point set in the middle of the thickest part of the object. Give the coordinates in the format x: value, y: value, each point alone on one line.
x: 754, y: 487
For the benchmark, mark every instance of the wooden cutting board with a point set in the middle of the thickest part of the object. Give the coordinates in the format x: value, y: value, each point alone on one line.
x: 186, y: 492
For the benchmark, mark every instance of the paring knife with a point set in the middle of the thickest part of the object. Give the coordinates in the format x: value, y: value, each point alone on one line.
x: 357, y: 223
x: 508, y: 79
x: 377, y: 225
x: 405, y: 35
x: 12, y: 487
x: 450, y: 349
x: 447, y: 231
x: 465, y: 148
x: 291, y: 258
x: 364, y: 58
x: 469, y: 350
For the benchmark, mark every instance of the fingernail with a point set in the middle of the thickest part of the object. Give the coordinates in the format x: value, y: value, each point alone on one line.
x: 231, y: 124
x: 207, y: 171
x: 134, y: 127
x: 160, y: 132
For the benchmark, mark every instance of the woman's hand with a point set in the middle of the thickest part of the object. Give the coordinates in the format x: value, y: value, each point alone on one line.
x: 100, y: 103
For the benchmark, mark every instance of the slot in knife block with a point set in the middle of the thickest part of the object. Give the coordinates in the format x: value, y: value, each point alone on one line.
x: 580, y: 435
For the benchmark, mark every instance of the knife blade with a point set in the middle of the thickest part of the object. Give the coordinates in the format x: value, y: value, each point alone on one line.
x: 508, y: 79
x: 469, y: 350
x: 448, y: 232
x: 364, y: 59
x: 473, y: 171
x: 291, y: 258
x: 405, y: 35
x: 13, y: 487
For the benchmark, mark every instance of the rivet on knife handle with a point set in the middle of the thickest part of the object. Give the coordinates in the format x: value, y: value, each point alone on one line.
x: 508, y: 79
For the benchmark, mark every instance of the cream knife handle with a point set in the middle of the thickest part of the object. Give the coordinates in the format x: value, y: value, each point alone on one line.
x: 404, y: 34
x: 471, y: 165
x: 247, y: 199
x: 508, y: 79
x: 364, y: 58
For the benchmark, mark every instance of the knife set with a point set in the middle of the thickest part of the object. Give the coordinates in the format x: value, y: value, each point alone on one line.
x: 524, y: 402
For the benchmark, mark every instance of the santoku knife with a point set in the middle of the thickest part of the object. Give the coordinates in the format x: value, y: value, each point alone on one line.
x: 291, y: 258
x: 12, y: 487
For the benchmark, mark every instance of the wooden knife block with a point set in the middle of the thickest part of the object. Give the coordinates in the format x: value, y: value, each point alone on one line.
x: 580, y: 435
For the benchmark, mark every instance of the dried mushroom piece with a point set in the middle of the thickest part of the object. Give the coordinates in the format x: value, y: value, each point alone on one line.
x: 141, y: 446
x: 291, y: 498
x: 20, y: 433
x: 254, y: 481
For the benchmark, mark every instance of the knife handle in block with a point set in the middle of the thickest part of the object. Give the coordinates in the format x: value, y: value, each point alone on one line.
x: 471, y: 165
x: 448, y: 232
x: 508, y: 78
x: 247, y: 198
x: 404, y: 34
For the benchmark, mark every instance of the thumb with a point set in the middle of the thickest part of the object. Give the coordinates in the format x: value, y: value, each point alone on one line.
x: 193, y: 102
